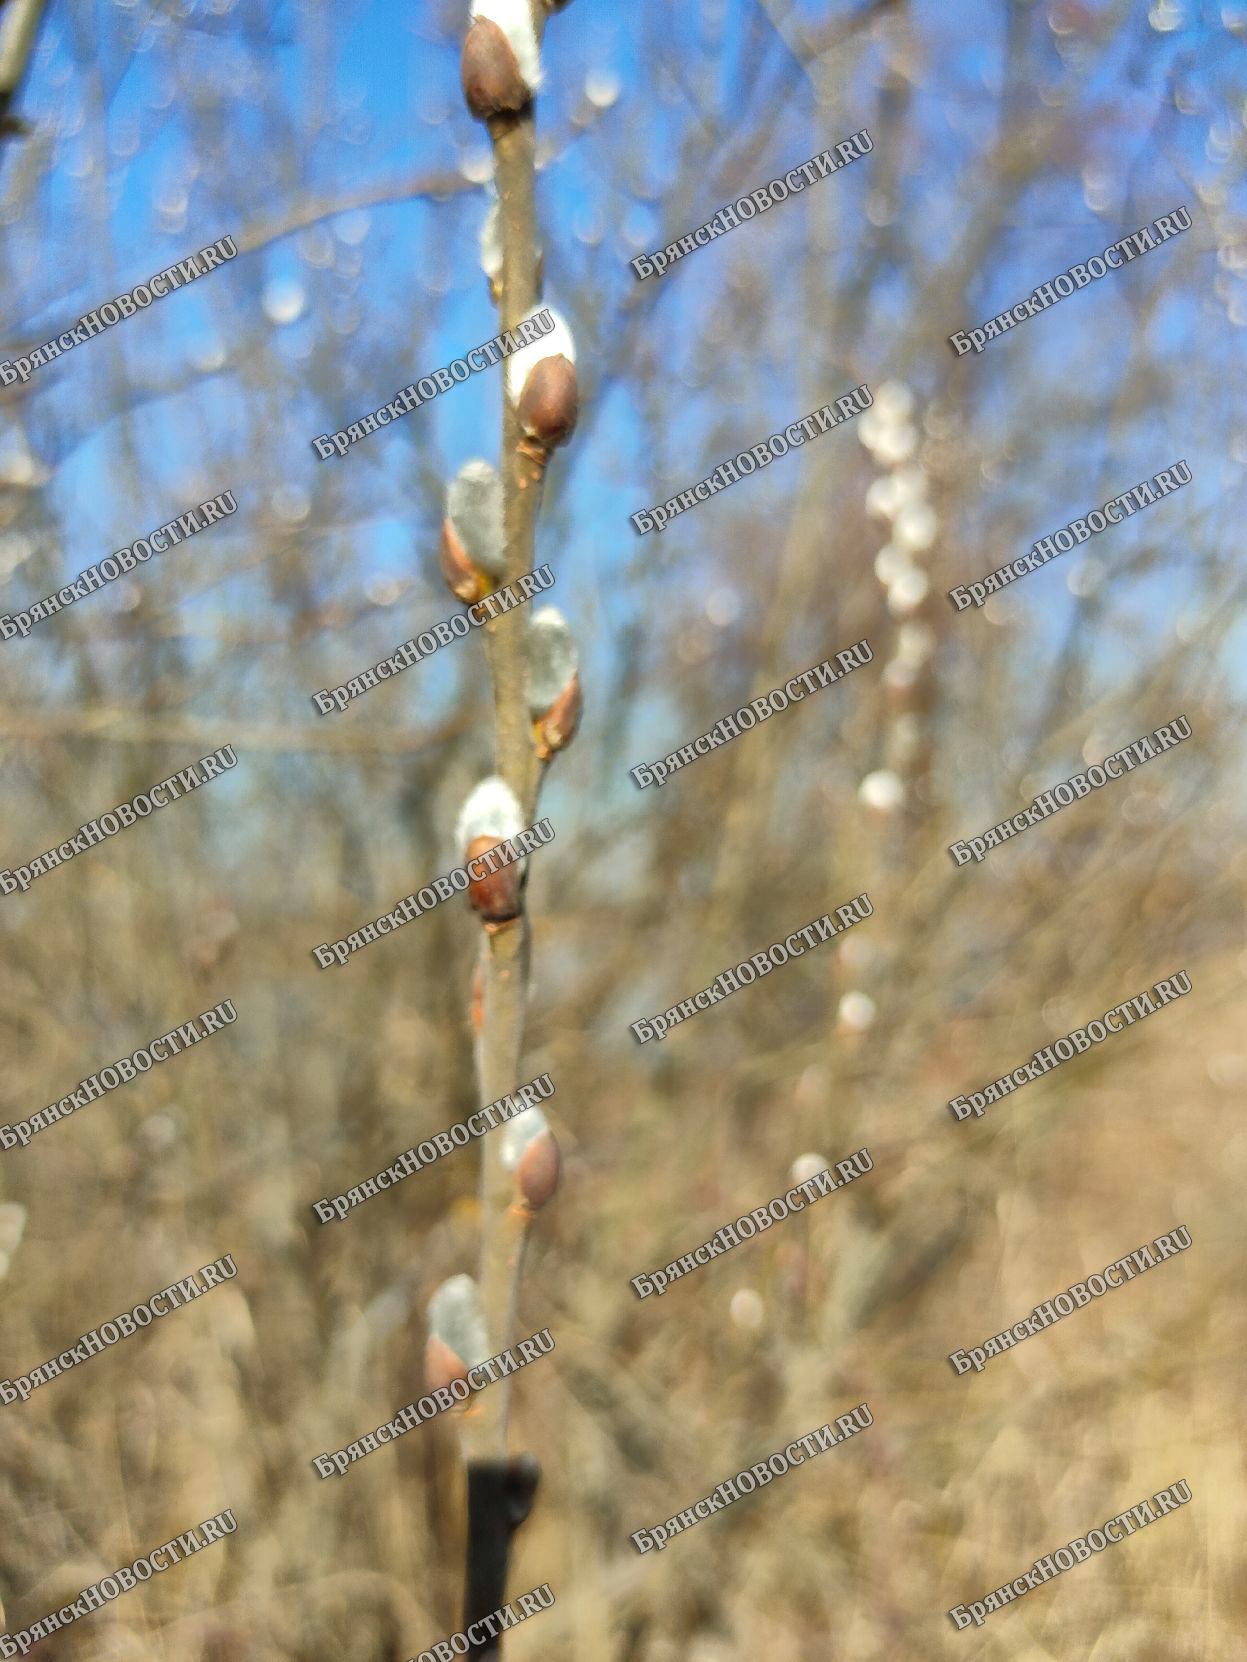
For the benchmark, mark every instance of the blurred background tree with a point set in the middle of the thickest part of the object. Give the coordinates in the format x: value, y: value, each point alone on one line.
x: 1010, y: 142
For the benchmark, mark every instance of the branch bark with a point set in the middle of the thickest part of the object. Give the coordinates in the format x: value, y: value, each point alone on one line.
x: 17, y: 40
x: 500, y: 1489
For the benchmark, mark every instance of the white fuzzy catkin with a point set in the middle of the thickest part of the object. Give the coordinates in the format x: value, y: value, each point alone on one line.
x: 856, y: 1010
x: 455, y: 1317
x: 883, y: 790
x: 12, y: 1227
x: 898, y: 676
x: 915, y: 527
x: 491, y: 238
x: 490, y: 811
x: 897, y: 443
x: 915, y: 643
x: 474, y: 508
x: 870, y: 428
x: 515, y: 19
x: 746, y: 1310
x: 907, y: 591
x: 883, y: 497
x: 894, y: 400
x: 557, y: 343
x: 552, y: 659
x: 806, y: 1166
x: 890, y: 562
x: 517, y: 1134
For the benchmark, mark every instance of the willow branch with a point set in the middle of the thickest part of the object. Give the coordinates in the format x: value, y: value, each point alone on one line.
x: 17, y: 39
x: 506, y: 949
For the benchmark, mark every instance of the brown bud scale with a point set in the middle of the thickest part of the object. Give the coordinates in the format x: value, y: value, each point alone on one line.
x: 496, y: 895
x: 537, y: 1175
x: 465, y: 581
x: 556, y: 729
x: 550, y: 401
x: 441, y: 1364
x: 492, y: 82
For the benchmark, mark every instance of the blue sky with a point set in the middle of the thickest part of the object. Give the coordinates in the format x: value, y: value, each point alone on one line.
x: 369, y: 94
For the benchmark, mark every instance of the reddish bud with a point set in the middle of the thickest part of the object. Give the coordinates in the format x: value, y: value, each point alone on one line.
x: 441, y: 1364
x: 907, y: 688
x: 537, y: 1175
x: 495, y: 895
x: 530, y: 1150
x: 492, y: 81
x: 550, y: 401
x: 557, y: 727
x: 465, y: 582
